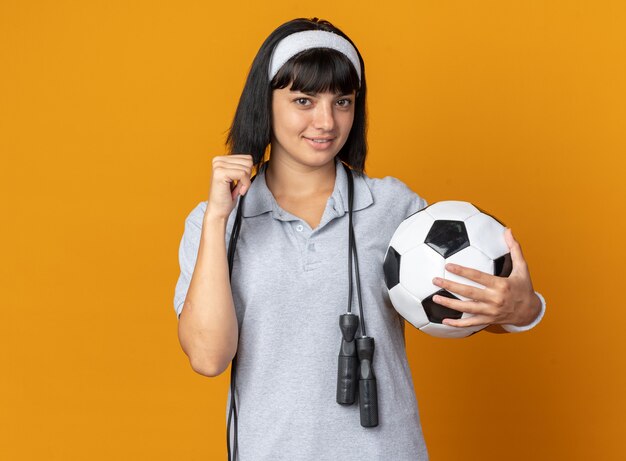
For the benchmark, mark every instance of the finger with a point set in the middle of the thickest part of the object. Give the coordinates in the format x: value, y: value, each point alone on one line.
x: 517, y: 258
x: 232, y: 173
x: 241, y: 188
x: 475, y: 320
x: 226, y: 162
x: 238, y: 180
x: 241, y: 158
x: 471, y: 307
x: 237, y: 190
x: 460, y: 288
x: 474, y: 275
x: 246, y: 157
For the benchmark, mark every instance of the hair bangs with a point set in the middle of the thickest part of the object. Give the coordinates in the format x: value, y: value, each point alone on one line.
x: 318, y: 70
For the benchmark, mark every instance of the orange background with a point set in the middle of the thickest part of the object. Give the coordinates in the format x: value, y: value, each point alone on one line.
x: 110, y: 114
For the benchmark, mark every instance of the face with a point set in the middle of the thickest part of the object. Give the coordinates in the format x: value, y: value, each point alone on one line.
x: 310, y: 128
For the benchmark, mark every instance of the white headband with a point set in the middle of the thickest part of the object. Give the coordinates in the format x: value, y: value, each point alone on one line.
x: 293, y: 44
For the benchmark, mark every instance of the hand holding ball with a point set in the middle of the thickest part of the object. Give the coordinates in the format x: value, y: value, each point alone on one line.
x: 444, y: 232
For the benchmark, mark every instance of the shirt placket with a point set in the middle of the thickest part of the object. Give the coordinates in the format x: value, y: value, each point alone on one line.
x: 306, y: 239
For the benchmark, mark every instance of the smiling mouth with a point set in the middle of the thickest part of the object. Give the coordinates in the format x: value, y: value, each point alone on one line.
x: 320, y: 140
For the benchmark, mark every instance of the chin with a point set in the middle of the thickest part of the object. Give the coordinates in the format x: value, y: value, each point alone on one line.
x: 320, y: 160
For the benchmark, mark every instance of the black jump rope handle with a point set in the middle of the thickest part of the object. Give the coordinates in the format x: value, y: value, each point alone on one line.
x: 368, y: 392
x: 355, y: 363
x: 347, y: 372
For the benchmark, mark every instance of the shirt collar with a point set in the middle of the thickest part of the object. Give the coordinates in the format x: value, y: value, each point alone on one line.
x: 259, y: 198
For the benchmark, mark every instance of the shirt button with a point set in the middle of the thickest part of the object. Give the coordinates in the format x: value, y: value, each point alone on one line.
x: 299, y: 227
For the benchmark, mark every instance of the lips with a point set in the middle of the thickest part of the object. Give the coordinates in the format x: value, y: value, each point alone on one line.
x: 319, y: 140
x: 320, y: 144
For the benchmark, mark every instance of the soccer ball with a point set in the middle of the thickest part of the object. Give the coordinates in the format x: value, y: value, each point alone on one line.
x: 447, y: 231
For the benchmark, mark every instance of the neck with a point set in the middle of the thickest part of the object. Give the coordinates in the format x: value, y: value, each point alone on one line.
x: 287, y: 179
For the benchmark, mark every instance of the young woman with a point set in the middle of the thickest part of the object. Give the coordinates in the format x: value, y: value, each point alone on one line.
x: 278, y: 315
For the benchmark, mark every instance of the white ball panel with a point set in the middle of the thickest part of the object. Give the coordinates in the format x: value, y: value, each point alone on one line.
x: 405, y: 223
x: 453, y: 210
x: 418, y: 267
x: 469, y: 257
x: 445, y: 331
x: 411, y: 232
x: 487, y: 234
x: 408, y: 306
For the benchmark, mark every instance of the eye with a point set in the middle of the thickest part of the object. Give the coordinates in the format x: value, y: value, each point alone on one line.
x: 344, y: 102
x: 302, y: 101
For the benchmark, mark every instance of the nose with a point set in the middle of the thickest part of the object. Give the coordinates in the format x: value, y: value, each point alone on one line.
x: 324, y: 117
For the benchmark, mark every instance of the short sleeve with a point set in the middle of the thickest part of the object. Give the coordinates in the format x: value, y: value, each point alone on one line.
x: 188, y: 250
x: 401, y: 194
x: 188, y: 253
x: 416, y: 204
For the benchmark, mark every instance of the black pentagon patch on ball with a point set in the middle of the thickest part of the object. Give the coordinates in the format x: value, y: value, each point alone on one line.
x: 391, y: 268
x: 503, y: 266
x: 447, y: 237
x: 436, y: 312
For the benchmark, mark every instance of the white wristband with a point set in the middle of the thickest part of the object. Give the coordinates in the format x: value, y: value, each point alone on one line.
x: 516, y: 329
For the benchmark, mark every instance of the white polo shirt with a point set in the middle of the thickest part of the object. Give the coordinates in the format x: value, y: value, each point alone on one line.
x: 290, y: 285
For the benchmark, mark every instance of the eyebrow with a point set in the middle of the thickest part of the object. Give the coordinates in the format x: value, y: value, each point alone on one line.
x: 303, y: 92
